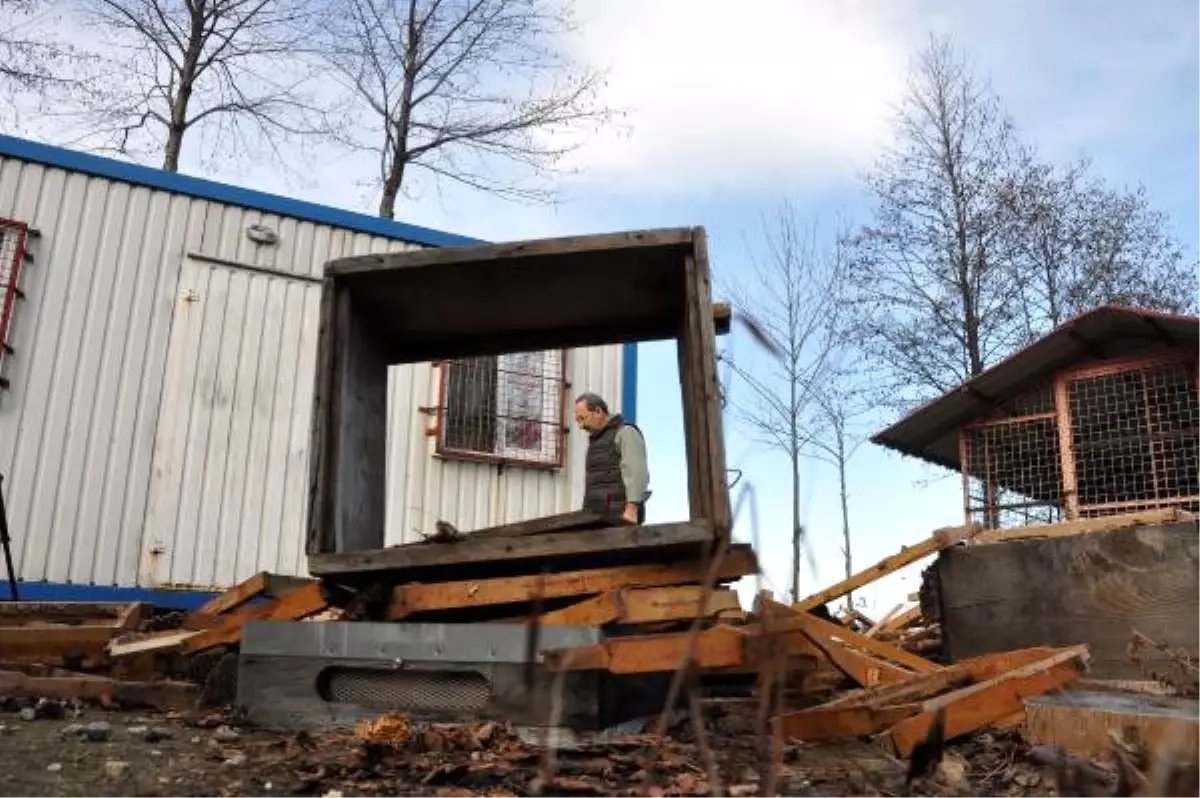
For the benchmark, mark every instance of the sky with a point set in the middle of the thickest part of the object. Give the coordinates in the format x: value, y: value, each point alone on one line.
x: 729, y: 113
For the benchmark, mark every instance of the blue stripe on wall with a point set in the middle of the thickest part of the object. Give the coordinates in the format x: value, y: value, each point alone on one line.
x: 59, y: 591
x: 125, y: 172
x: 629, y: 380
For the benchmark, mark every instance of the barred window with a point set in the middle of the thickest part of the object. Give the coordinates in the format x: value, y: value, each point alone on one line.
x: 506, y: 408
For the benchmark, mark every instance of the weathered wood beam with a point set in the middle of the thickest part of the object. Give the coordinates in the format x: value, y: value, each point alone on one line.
x: 831, y: 723
x: 291, y: 606
x: 645, y: 605
x: 1082, y: 526
x: 161, y: 695
x: 910, y: 554
x: 980, y: 705
x: 464, y: 593
x: 718, y: 647
x: 817, y: 628
x: 562, y: 544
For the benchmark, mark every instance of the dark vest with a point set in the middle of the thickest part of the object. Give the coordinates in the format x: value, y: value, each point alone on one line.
x: 603, y: 488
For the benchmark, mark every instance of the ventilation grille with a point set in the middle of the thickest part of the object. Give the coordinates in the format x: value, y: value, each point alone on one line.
x: 412, y: 691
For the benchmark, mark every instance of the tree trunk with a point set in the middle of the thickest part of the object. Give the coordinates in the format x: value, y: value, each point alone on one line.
x: 391, y: 188
x: 797, y: 530
x: 841, y: 461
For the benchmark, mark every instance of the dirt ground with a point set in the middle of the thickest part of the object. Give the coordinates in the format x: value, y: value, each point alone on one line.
x: 202, y: 756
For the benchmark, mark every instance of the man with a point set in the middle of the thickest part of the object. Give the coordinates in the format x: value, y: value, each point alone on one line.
x: 616, y: 477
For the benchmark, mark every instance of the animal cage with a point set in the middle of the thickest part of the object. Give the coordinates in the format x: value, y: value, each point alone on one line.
x: 1095, y: 440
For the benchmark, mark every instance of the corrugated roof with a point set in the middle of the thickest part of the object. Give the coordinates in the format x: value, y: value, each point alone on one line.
x: 931, y: 431
x: 138, y: 175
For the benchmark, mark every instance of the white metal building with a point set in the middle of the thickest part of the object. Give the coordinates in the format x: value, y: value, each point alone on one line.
x: 158, y: 377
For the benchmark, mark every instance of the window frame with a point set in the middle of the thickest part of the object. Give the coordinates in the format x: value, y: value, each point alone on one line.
x: 443, y: 452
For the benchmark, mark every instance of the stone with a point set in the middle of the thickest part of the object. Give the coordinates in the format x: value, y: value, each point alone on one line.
x: 235, y: 760
x: 4, y: 730
x: 157, y: 734
x: 54, y: 767
x: 138, y: 731
x: 97, y: 732
x: 226, y: 734
x: 952, y: 772
x: 71, y: 730
x: 196, y: 741
x: 50, y: 709
x: 28, y: 713
x: 115, y: 769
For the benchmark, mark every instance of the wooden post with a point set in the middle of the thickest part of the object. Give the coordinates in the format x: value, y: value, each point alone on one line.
x: 347, y: 504
x: 964, y: 461
x: 1066, y: 451
x: 708, y: 492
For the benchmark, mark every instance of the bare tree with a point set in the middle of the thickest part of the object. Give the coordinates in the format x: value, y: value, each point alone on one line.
x: 34, y: 63
x: 1081, y: 243
x: 230, y: 65
x: 930, y: 278
x: 841, y: 406
x: 454, y: 87
x: 976, y: 247
x: 791, y: 296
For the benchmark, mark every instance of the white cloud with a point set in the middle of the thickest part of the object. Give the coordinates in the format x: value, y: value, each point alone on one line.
x: 722, y: 96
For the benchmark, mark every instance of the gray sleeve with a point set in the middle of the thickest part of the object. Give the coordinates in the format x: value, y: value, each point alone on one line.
x: 635, y: 472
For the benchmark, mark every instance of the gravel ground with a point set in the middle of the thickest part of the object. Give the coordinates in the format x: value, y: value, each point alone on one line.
x: 96, y: 752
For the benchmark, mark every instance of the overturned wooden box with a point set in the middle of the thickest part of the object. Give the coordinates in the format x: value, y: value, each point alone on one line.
x: 382, y: 310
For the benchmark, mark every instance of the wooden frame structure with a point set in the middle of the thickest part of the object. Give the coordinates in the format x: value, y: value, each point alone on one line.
x: 1099, y: 416
x: 410, y: 307
x: 1050, y: 475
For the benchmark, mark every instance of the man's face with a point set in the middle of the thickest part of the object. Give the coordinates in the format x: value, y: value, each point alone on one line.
x: 587, y: 419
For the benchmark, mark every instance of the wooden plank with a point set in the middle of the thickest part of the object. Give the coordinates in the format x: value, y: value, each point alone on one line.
x: 699, y: 290
x: 19, y: 613
x: 722, y: 318
x: 412, y: 598
x: 1095, y: 588
x: 818, y: 628
x: 647, y: 605
x: 578, y: 519
x: 563, y: 544
x: 52, y: 643
x: 718, y: 647
x: 910, y: 554
x: 1082, y: 526
x: 989, y: 666
x: 595, y: 611
x: 319, y: 537
x: 694, y: 441
x: 235, y: 596
x: 878, y: 626
x: 979, y: 705
x: 898, y: 622
x: 608, y: 243
x: 831, y: 723
x: 916, y: 688
x: 1083, y: 722
x: 863, y: 669
x: 131, y: 617
x: 156, y: 642
x: 162, y: 695
x: 359, y: 439
x: 291, y: 606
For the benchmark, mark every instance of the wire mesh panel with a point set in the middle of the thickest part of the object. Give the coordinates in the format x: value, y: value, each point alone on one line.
x: 1013, y: 473
x: 1134, y: 439
x: 12, y: 253
x: 506, y: 408
x: 412, y: 691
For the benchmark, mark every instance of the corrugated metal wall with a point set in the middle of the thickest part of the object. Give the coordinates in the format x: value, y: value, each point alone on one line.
x: 156, y: 430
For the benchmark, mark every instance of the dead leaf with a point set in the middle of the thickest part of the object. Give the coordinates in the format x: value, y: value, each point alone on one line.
x: 391, y: 728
